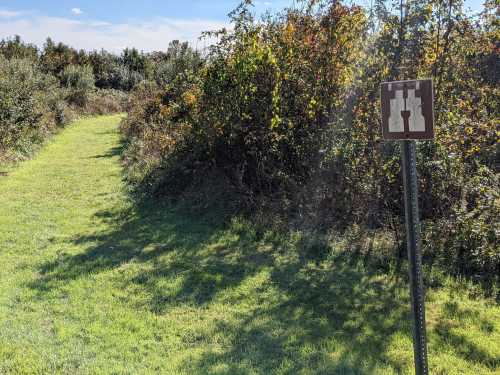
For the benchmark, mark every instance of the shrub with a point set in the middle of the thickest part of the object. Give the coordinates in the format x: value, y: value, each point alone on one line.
x: 106, y: 101
x: 178, y: 59
x: 119, y: 77
x: 26, y: 97
x: 157, y: 126
x: 160, y: 118
x: 41, y: 91
x: 79, y: 80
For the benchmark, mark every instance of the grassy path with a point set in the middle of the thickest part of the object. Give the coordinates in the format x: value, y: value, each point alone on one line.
x: 92, y: 284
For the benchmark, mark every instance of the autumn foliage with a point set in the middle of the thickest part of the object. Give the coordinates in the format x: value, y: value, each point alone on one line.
x: 285, y: 111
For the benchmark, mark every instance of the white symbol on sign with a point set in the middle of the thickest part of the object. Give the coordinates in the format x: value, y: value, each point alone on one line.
x: 412, y: 106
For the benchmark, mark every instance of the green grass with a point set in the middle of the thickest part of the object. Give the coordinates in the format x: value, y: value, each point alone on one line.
x: 91, y: 283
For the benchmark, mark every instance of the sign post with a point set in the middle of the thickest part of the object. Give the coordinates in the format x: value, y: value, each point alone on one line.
x: 407, y: 115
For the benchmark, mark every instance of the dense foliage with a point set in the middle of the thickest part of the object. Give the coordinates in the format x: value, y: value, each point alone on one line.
x: 42, y: 89
x: 29, y: 104
x: 285, y: 112
x: 79, y: 80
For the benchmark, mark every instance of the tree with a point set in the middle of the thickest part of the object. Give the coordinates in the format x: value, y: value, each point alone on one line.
x: 16, y: 48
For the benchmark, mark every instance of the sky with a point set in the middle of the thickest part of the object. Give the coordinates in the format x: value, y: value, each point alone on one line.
x: 116, y: 24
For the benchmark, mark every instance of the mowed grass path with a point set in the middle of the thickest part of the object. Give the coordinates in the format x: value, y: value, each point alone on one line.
x: 91, y: 283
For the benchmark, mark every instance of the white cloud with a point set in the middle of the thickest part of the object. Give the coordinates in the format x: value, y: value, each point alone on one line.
x: 8, y: 14
x: 263, y: 3
x: 76, y: 11
x: 152, y: 35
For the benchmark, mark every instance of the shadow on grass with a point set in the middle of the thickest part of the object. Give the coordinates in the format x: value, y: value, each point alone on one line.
x: 453, y: 317
x: 316, y: 308
x: 113, y: 152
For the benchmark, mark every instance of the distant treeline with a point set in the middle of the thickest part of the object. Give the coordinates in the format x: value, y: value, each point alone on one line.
x: 42, y: 89
x: 110, y: 71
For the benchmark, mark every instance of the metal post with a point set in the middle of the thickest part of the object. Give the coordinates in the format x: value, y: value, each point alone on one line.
x: 410, y: 179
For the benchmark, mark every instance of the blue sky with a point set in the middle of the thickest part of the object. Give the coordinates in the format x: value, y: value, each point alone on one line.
x: 116, y: 24
x: 126, y: 10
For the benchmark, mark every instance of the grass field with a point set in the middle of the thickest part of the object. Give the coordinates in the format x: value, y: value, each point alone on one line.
x: 91, y: 283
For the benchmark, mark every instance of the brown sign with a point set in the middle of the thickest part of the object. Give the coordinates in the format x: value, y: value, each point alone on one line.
x: 407, y: 109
